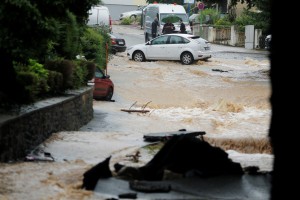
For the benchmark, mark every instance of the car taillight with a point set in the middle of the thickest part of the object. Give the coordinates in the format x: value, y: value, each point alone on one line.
x: 113, y: 41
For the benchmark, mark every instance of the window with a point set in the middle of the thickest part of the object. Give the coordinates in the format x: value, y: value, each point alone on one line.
x: 176, y: 40
x: 99, y: 74
x: 160, y: 40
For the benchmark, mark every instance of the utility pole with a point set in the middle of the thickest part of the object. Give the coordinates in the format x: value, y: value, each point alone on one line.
x: 189, y: 7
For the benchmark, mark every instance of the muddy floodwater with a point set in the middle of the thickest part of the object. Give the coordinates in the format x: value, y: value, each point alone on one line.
x: 226, y: 98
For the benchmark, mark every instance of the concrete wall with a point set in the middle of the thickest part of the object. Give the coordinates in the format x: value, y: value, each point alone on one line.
x: 250, y: 38
x: 21, y: 133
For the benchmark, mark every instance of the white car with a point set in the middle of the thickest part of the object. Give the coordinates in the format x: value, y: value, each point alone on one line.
x: 132, y: 14
x: 182, y: 47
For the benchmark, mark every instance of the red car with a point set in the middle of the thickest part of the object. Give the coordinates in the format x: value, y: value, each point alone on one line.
x: 103, y: 86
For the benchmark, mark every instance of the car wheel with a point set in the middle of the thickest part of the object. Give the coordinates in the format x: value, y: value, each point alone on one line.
x: 109, y: 94
x: 186, y: 58
x: 139, y: 56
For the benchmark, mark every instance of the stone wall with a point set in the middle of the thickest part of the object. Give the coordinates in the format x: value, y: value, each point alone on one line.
x: 21, y: 133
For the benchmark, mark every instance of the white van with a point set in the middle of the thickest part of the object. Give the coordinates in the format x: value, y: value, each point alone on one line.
x: 99, y: 16
x: 164, y: 12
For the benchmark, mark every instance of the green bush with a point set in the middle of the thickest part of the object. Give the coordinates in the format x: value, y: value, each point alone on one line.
x: 55, y: 82
x: 223, y: 22
x: 30, y: 82
x: 126, y: 21
x: 66, y: 68
x: 90, y: 68
x: 80, y: 74
x: 33, y: 76
x: 94, y: 45
x: 213, y: 14
x: 75, y: 73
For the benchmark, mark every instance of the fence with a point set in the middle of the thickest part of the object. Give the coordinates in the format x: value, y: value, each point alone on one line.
x: 229, y: 35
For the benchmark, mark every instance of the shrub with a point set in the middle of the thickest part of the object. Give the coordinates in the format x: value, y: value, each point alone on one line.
x: 94, y: 45
x: 126, y: 21
x: 223, y: 22
x: 212, y: 14
x: 66, y: 68
x: 80, y: 74
x: 33, y: 76
x: 55, y: 83
x: 90, y: 68
x: 74, y: 73
x: 30, y: 82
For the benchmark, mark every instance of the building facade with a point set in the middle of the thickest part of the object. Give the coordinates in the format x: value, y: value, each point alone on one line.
x: 116, y: 7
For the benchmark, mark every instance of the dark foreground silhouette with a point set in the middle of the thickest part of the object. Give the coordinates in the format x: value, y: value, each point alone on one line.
x: 181, y: 154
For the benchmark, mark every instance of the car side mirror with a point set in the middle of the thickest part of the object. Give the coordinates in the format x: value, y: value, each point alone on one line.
x: 107, y: 76
x: 148, y: 43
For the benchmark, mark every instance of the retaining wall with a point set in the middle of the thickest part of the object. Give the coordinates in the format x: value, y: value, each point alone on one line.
x: 21, y: 133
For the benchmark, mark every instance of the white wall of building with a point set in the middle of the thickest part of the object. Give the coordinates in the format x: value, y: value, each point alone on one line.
x: 125, y: 2
x: 116, y: 7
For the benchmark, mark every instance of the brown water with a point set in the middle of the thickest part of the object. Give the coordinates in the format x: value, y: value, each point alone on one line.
x: 229, y: 99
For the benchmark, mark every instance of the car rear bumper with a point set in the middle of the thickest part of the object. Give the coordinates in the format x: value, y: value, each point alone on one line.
x: 119, y: 48
x: 202, y: 55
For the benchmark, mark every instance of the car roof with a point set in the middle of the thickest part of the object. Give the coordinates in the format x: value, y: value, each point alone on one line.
x: 187, y: 36
x: 182, y: 35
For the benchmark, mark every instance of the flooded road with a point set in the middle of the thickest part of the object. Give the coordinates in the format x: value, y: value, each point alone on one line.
x: 227, y: 98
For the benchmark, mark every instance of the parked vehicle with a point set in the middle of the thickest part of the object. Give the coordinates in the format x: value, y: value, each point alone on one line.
x: 117, y: 44
x: 177, y: 46
x: 132, y: 14
x: 100, y: 16
x: 103, y: 86
x: 164, y: 13
x: 194, y: 18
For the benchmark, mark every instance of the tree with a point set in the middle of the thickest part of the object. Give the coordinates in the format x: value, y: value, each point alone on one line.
x: 27, y: 28
x: 261, y: 17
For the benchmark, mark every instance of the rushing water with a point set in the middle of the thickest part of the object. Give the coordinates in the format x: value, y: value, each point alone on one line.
x: 226, y: 98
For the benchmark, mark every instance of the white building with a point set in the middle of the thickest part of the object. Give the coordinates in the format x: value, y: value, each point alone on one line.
x: 116, y: 7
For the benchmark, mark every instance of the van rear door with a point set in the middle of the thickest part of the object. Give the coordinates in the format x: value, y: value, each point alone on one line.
x: 99, y: 16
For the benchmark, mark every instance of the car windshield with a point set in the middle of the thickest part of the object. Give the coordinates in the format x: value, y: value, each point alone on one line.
x: 174, y: 18
x: 99, y: 73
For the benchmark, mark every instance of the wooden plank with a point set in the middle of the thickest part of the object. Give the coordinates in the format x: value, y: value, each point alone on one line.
x: 140, y: 111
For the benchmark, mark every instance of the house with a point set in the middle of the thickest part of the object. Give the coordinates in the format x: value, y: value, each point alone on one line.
x: 116, y: 7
